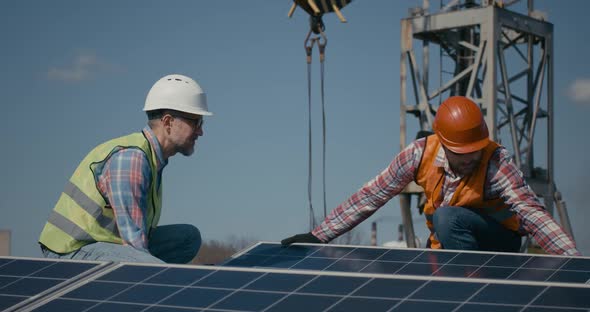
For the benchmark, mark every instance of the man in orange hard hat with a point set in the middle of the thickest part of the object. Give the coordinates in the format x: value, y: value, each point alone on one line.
x: 477, y: 199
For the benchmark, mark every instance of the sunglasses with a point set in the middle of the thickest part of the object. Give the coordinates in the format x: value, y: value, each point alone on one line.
x: 196, y: 123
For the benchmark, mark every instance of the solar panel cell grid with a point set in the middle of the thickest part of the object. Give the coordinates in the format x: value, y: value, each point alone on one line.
x: 28, y: 287
x: 130, y: 274
x: 176, y: 276
x: 63, y: 270
x: 8, y: 301
x: 340, y: 284
x: 317, y: 264
x: 169, y: 309
x: 488, y: 308
x: 279, y: 282
x: 65, y: 305
x: 348, y: 265
x: 416, y: 262
x: 98, y: 290
x: 196, y: 297
x: 146, y: 288
x: 22, y: 279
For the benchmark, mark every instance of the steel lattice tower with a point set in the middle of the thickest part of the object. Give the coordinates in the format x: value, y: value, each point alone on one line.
x: 501, y: 59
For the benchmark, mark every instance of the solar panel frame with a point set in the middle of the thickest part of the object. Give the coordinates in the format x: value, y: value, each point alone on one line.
x: 27, y: 280
x: 415, y: 261
x: 245, y: 289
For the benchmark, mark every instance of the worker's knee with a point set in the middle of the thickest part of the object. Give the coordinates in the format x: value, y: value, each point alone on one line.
x: 193, y: 237
x: 192, y: 243
x: 189, y: 238
x: 453, y: 228
x: 448, y: 218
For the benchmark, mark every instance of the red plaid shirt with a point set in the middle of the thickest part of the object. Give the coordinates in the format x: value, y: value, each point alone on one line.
x: 504, y: 180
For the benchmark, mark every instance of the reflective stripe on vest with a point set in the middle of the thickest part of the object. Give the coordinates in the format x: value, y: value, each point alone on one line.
x: 63, y: 223
x: 91, y: 207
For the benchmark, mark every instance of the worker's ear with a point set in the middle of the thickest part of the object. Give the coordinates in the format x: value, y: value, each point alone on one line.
x: 166, y: 121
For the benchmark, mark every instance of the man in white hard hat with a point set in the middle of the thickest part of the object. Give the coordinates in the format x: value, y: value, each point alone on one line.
x: 110, y: 207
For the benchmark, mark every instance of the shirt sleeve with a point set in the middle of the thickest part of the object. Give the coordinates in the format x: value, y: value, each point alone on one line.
x: 125, y: 182
x: 373, y: 195
x: 509, y: 182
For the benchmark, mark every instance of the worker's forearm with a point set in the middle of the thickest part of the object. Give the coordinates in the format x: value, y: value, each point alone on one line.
x: 548, y: 234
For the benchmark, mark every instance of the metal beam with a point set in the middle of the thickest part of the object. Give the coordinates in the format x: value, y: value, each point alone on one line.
x: 449, y: 20
x: 523, y: 23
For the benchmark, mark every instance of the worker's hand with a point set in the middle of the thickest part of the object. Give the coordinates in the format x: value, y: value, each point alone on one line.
x: 300, y: 238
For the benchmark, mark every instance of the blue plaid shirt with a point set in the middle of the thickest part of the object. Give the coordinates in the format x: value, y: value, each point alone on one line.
x: 124, y: 180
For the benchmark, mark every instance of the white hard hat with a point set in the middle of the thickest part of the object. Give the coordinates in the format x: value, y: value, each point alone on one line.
x: 177, y: 92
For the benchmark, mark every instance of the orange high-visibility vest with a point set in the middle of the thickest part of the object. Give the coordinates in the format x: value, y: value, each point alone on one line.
x: 469, y: 193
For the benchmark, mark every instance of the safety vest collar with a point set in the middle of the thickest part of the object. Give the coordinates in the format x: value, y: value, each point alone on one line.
x: 441, y: 160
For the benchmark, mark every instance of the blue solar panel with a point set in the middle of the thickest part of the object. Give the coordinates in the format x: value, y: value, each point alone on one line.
x: 23, y: 279
x: 336, y: 278
x: 417, y: 262
x: 134, y: 287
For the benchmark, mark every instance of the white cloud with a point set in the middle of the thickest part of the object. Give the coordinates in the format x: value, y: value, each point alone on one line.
x: 579, y: 91
x: 83, y: 67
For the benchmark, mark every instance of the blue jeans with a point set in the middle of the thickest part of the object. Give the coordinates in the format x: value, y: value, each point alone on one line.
x: 176, y: 243
x: 465, y: 229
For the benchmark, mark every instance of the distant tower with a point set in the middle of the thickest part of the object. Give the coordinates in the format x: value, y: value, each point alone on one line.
x: 4, y: 242
x: 501, y: 59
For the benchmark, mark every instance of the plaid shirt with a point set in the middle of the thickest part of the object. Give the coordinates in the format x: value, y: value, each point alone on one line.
x: 504, y: 180
x: 124, y: 180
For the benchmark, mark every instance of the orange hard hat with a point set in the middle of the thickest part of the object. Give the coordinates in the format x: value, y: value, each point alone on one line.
x: 459, y: 125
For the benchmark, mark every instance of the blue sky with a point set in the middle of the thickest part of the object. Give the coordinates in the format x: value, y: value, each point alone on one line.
x: 76, y: 74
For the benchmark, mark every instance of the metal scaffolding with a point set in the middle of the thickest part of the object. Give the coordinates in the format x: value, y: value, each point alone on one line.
x: 501, y: 59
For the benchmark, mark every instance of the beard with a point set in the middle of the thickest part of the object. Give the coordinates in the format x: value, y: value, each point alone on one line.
x: 188, y: 148
x: 465, y: 170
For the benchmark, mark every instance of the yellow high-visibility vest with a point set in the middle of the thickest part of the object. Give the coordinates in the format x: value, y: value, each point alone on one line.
x: 81, y: 215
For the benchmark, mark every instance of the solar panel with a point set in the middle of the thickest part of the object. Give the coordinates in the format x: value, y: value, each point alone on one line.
x: 25, y: 279
x: 424, y: 262
x: 135, y: 287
